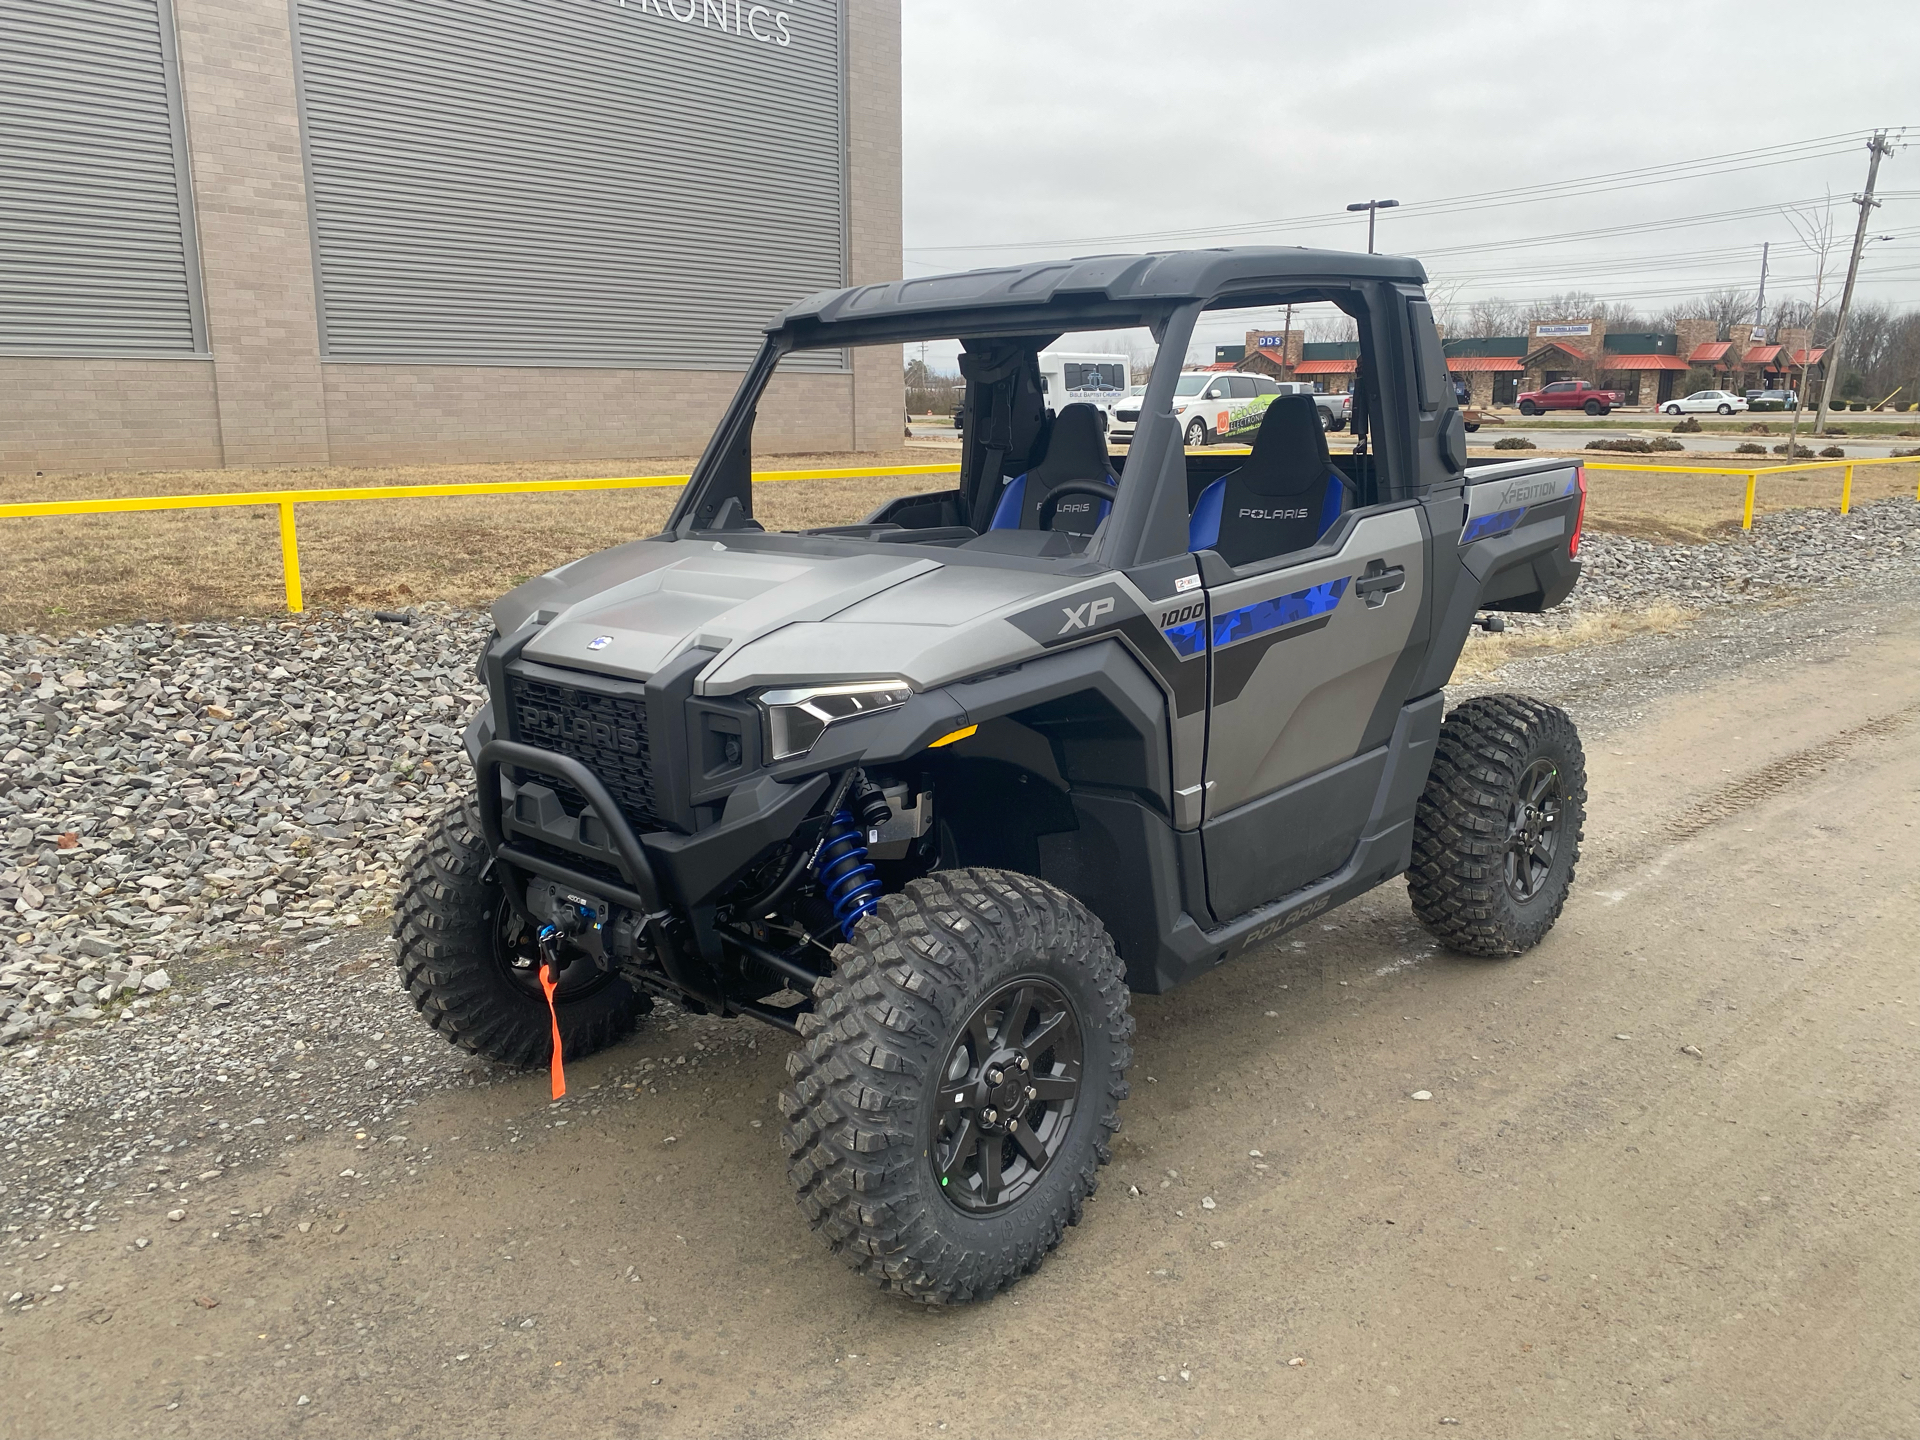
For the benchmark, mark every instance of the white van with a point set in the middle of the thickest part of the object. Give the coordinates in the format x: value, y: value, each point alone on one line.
x: 1067, y: 378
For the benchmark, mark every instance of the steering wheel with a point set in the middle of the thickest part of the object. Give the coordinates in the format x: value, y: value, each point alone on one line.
x: 1094, y: 488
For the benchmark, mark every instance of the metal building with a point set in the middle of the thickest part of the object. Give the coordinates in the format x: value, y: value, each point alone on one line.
x: 245, y: 232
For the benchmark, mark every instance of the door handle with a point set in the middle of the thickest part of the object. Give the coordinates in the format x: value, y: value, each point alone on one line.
x: 1379, y: 581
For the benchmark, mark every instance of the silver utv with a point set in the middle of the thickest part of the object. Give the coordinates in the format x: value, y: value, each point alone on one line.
x: 938, y: 790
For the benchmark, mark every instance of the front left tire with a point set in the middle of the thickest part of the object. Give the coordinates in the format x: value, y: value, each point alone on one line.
x: 958, y: 1082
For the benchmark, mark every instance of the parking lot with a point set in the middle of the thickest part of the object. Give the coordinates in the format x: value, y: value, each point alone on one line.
x: 1657, y: 1154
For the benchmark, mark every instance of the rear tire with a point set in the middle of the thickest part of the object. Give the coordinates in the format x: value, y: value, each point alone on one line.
x: 888, y: 1164
x: 1726, y: 409
x: 1496, y: 835
x: 456, y: 960
x: 1592, y: 407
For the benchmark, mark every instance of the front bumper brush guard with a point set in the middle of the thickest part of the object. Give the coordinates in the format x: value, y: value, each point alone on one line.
x: 642, y: 891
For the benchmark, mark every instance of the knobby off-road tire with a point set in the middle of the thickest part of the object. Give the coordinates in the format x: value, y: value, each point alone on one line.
x: 872, y: 1085
x: 456, y: 963
x: 1503, y: 762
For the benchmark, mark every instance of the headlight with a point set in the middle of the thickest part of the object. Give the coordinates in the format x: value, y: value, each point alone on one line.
x: 798, y: 718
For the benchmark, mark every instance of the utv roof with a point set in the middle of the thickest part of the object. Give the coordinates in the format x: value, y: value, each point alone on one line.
x: 1059, y: 293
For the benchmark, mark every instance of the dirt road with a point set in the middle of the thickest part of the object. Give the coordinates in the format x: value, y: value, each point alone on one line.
x: 1590, y: 1229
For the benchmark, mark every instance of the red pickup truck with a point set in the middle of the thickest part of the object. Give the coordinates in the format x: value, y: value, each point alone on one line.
x: 1571, y: 395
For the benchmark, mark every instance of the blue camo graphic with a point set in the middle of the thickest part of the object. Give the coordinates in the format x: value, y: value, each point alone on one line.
x: 1245, y: 623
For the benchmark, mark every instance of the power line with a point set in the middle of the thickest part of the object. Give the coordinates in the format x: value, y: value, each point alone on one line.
x: 1788, y: 152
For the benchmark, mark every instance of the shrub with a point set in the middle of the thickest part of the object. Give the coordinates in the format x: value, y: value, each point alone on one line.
x: 1800, y: 452
x: 1665, y: 443
x: 1857, y: 407
x: 1903, y: 454
x: 1688, y: 426
x: 1514, y: 442
x: 1631, y: 447
x: 1749, y: 449
x: 1767, y: 405
x: 1834, y: 430
x: 1832, y: 452
x: 1759, y: 429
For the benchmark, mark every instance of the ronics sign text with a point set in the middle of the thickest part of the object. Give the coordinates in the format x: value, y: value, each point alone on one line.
x: 730, y: 17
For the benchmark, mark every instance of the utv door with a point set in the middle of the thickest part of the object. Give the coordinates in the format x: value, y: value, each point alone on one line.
x: 1306, y: 679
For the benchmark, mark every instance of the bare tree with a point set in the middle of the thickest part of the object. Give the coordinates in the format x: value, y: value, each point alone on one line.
x: 1816, y: 234
x: 1726, y: 308
x: 1494, y: 316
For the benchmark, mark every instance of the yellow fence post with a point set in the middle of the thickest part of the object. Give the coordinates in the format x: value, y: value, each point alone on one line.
x: 1746, y: 519
x: 290, y: 558
x: 1846, y: 491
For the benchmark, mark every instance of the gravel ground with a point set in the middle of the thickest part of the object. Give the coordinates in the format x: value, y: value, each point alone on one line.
x: 200, y: 828
x: 1786, y: 555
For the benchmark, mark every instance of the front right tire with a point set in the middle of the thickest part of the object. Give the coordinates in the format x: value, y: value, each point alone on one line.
x: 1196, y: 435
x: 471, y: 967
x: 957, y: 1084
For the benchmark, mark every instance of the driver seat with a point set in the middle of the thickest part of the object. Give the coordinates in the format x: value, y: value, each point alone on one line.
x: 1076, y: 449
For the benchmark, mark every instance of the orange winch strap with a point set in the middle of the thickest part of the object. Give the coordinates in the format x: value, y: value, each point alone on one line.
x: 549, y: 984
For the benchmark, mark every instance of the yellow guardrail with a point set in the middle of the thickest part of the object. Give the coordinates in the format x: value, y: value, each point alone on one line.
x: 1753, y: 474
x: 285, y: 500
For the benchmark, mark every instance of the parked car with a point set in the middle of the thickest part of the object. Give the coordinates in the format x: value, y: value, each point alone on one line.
x: 1571, y: 395
x: 1721, y: 402
x: 1212, y: 406
x: 1772, y: 400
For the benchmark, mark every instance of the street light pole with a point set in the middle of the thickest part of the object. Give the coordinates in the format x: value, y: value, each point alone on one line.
x: 1371, y: 206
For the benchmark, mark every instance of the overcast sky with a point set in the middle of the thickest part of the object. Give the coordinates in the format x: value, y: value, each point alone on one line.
x: 1049, y: 128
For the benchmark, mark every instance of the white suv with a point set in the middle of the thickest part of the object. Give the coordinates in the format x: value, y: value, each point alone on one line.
x: 1210, y: 405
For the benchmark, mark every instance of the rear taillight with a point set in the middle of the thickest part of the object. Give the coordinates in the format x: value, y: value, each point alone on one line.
x: 1580, y: 515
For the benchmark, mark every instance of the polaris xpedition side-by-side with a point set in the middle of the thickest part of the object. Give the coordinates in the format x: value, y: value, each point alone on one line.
x: 938, y: 791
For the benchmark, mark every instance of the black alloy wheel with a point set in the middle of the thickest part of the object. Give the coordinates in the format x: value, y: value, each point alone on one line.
x: 1496, y: 834
x: 1009, y: 1086
x: 1533, y: 830
x: 1592, y: 407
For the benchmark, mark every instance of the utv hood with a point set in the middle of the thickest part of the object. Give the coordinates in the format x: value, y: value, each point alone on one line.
x: 769, y: 615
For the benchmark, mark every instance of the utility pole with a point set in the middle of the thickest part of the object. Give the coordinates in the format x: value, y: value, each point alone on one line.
x: 1876, y: 147
x: 1760, y: 305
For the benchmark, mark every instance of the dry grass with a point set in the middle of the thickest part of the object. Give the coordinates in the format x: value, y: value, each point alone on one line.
x: 1484, y: 654
x: 71, y: 572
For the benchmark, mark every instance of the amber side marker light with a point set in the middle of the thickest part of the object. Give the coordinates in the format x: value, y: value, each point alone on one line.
x: 955, y: 735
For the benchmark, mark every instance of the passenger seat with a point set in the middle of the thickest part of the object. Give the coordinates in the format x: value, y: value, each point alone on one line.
x: 1284, y: 498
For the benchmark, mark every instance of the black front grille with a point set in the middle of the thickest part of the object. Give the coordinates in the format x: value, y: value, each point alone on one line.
x: 606, y: 733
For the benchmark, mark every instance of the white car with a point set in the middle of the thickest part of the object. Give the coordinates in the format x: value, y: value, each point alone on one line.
x: 1210, y: 405
x: 1719, y: 402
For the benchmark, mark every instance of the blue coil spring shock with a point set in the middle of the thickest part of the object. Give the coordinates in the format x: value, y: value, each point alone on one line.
x: 852, y: 884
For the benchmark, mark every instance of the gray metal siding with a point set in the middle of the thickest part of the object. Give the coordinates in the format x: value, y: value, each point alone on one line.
x: 570, y: 181
x: 96, y: 239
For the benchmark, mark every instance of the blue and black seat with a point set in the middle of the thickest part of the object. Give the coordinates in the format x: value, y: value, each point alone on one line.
x: 1284, y: 498
x: 1076, y: 450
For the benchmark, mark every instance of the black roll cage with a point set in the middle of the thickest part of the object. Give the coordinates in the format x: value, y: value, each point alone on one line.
x: 1150, y: 515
